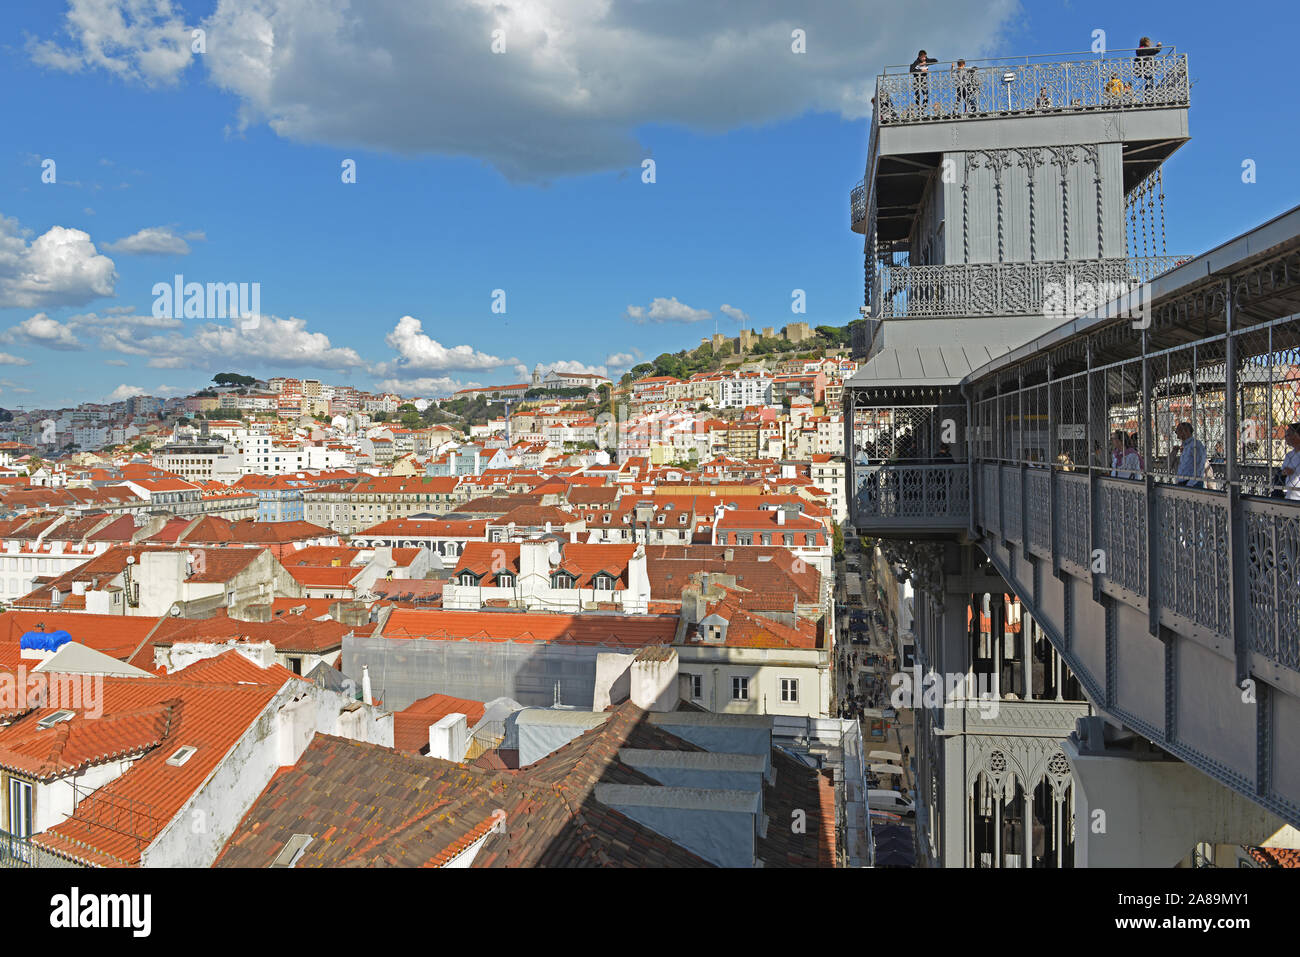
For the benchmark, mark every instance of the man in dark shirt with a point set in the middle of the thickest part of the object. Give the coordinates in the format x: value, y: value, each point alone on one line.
x: 921, y: 80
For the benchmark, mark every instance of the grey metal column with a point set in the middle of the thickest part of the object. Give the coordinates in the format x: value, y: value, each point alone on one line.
x: 1236, y: 519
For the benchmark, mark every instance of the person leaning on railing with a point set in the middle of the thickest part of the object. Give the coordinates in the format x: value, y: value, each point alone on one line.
x: 1144, y: 64
x: 920, y: 70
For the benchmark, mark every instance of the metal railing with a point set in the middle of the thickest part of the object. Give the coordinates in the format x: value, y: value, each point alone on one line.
x: 487, y: 737
x: 21, y: 852
x: 1063, y: 288
x: 911, y: 495
x: 1018, y: 89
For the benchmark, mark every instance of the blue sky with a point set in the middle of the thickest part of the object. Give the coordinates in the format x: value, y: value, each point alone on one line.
x: 518, y: 171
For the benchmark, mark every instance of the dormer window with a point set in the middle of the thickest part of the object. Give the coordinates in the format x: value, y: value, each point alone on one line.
x: 467, y: 578
x: 562, y: 580
x: 505, y: 580
x: 603, y: 583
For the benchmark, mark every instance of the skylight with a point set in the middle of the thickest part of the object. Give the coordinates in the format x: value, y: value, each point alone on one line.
x: 181, y: 756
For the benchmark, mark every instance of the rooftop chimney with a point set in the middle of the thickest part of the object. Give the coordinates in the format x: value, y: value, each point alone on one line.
x: 449, y: 738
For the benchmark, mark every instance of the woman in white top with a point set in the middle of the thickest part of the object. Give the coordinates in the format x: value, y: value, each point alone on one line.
x: 1291, y: 463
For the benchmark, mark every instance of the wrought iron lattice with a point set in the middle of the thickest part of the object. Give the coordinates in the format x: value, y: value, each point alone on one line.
x: 1272, y: 558
x: 1192, y: 542
x: 1123, y: 531
x: 1010, y: 288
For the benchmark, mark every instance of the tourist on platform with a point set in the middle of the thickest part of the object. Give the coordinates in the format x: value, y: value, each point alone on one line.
x: 1125, y: 462
x: 1136, y: 446
x: 920, y: 70
x: 1291, y: 463
x: 966, y: 82
x: 1144, y: 64
x: 1191, y: 458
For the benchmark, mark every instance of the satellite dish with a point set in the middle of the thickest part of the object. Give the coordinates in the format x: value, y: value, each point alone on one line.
x: 176, y: 611
x: 554, y: 556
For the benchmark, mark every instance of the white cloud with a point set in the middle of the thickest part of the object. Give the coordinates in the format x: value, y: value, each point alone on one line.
x: 620, y: 360
x: 41, y: 330
x: 416, y: 350
x: 572, y: 365
x: 142, y: 40
x: 124, y: 392
x: 151, y: 241
x: 116, y: 362
x: 423, y: 385
x: 274, y: 342
x: 577, y: 79
x: 733, y: 312
x: 6, y: 359
x: 120, y: 317
x: 666, y: 310
x: 59, y: 268
x: 166, y: 390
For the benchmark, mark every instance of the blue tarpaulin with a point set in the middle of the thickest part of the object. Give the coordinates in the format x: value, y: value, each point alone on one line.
x: 44, y: 640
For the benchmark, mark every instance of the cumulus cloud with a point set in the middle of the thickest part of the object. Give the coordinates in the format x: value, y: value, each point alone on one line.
x: 59, y: 268
x: 574, y: 83
x: 572, y: 365
x: 124, y: 391
x: 424, y: 385
x: 733, y: 312
x: 11, y: 360
x: 139, y: 40
x: 151, y: 241
x: 418, y: 351
x: 116, y: 362
x: 120, y: 317
x: 620, y: 360
x: 41, y: 330
x: 273, y: 341
x: 666, y: 310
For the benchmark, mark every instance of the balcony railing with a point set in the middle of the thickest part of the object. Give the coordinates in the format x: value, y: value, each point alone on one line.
x: 911, y: 496
x: 1188, y: 547
x: 21, y: 852
x: 858, y: 206
x: 1066, y: 288
x: 1018, y: 89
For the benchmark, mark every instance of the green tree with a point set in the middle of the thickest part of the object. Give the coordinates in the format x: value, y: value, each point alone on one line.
x: 837, y: 542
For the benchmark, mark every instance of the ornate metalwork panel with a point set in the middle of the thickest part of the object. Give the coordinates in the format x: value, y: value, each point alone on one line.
x: 1039, y: 533
x: 913, y: 495
x: 1122, y: 526
x: 1195, y: 581
x: 1072, y: 516
x: 1011, y: 505
x: 1004, y: 289
x: 1272, y: 534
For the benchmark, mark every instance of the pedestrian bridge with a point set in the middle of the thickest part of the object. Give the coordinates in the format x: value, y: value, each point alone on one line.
x: 1175, y: 599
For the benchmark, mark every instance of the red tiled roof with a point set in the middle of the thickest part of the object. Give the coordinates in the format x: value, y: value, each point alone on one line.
x: 411, y: 724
